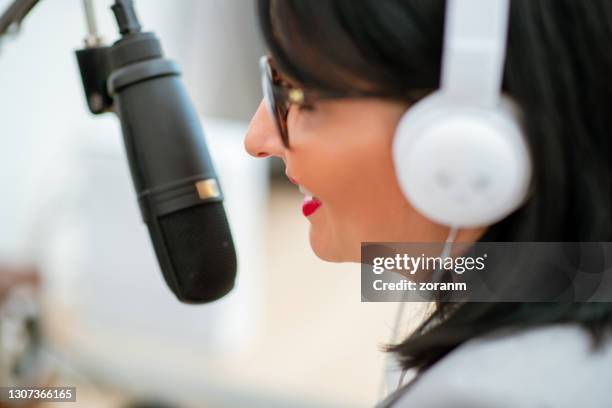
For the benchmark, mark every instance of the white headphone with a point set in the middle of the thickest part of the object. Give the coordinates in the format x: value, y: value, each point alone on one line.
x: 460, y: 155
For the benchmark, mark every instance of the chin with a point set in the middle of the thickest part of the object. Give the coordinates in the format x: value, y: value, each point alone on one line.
x: 325, y: 248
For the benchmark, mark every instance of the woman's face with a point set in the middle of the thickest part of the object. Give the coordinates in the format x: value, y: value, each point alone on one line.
x: 341, y: 153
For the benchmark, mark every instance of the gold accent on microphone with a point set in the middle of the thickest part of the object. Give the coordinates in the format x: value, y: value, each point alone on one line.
x: 208, y: 189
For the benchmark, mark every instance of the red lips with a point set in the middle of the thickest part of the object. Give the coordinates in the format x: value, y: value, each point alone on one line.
x: 310, y: 205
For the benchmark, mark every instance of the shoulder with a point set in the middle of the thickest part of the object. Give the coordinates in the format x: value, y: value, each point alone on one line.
x: 552, y: 366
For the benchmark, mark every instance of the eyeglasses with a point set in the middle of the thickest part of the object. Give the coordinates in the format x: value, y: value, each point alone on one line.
x: 280, y: 95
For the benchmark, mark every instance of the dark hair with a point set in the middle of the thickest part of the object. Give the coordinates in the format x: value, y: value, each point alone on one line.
x: 558, y: 69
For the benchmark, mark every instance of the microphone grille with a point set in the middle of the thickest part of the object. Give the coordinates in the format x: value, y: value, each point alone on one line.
x: 202, y: 257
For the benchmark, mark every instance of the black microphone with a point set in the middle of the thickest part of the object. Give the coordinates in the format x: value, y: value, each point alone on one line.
x: 178, y: 192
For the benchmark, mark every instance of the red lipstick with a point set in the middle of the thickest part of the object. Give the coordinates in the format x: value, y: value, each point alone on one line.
x: 310, y: 205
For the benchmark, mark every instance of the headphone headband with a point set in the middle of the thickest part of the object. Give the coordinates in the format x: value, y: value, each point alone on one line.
x: 474, y: 50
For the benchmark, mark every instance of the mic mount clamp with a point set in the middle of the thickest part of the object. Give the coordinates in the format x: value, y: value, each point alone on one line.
x: 95, y: 60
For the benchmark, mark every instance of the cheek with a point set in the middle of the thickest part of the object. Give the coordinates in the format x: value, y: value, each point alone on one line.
x: 354, y: 176
x: 346, y: 161
x: 367, y: 204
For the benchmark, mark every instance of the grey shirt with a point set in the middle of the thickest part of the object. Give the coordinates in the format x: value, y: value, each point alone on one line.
x: 549, y: 366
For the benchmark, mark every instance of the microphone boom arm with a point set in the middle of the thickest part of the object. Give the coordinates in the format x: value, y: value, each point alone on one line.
x: 14, y: 15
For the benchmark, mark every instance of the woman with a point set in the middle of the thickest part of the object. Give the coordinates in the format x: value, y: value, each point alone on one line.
x: 369, y: 61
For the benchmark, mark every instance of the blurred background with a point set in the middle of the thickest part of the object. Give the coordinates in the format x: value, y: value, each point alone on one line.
x: 82, y: 301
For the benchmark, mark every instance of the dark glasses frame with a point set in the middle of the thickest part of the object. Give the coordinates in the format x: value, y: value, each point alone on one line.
x: 280, y: 95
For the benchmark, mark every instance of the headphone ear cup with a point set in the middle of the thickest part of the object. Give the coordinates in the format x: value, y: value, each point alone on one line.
x: 462, y: 166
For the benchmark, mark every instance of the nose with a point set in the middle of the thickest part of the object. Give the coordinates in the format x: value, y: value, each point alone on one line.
x: 262, y: 138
